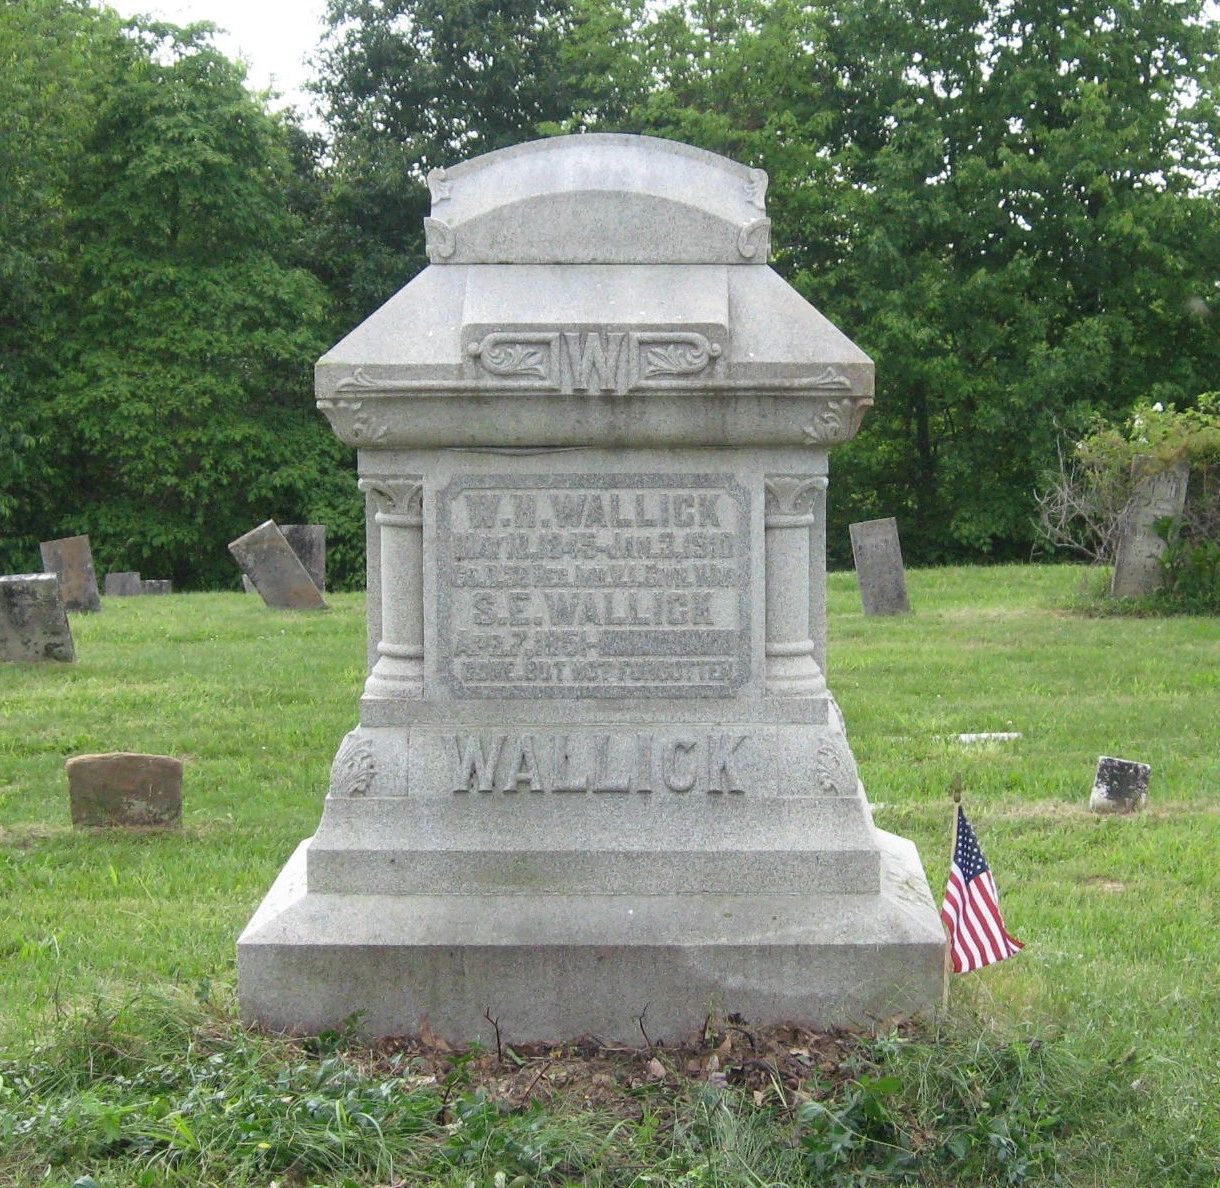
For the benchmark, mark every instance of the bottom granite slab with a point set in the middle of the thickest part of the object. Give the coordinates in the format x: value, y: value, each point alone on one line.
x: 562, y: 966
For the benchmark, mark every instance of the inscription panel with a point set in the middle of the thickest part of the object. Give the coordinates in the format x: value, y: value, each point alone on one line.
x: 574, y: 585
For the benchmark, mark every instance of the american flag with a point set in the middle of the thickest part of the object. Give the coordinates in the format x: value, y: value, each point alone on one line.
x: 971, y: 910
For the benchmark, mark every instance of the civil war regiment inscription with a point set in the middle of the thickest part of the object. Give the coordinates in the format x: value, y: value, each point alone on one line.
x: 598, y: 768
x: 593, y: 585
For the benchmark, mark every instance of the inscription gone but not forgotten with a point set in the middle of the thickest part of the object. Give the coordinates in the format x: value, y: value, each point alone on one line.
x: 593, y: 585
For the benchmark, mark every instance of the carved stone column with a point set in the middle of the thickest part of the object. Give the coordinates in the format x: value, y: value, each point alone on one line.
x: 399, y: 671
x: 791, y: 513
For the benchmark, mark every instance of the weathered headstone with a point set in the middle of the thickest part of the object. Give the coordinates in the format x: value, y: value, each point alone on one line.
x: 276, y: 571
x: 123, y: 585
x: 247, y: 585
x: 878, y: 558
x: 308, y: 541
x: 33, y: 623
x: 1120, y: 786
x: 72, y: 560
x: 1137, y: 562
x: 158, y: 586
x: 125, y: 789
x: 598, y: 771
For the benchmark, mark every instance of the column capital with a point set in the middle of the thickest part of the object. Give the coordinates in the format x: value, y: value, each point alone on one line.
x: 791, y: 498
x: 399, y: 501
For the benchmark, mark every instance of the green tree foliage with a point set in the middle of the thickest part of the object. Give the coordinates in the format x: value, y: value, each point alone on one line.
x: 410, y: 85
x: 51, y: 79
x: 1010, y: 206
x: 176, y: 412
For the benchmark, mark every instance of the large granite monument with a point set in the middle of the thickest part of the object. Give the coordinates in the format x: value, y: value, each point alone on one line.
x: 598, y: 771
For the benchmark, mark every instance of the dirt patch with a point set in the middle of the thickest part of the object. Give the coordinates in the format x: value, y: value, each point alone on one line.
x: 777, y: 1065
x: 1101, y: 883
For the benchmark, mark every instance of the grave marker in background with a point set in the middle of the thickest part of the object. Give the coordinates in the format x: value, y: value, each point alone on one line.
x: 1137, y: 563
x: 125, y: 789
x: 1120, y: 786
x: 158, y: 586
x: 878, y: 557
x: 308, y: 541
x: 72, y: 560
x: 33, y: 623
x: 276, y: 571
x: 125, y: 584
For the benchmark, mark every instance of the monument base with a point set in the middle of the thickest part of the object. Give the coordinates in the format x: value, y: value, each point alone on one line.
x: 562, y: 966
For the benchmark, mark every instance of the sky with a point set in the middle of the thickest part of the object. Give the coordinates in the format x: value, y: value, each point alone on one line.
x: 273, y: 38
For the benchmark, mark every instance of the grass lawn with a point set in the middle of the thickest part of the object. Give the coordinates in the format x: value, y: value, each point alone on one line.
x: 1102, y: 1039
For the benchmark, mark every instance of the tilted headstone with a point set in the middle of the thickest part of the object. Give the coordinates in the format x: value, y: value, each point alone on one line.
x: 598, y: 771
x: 125, y: 789
x: 72, y: 560
x: 123, y: 585
x: 158, y: 586
x: 878, y: 557
x: 1137, y: 562
x: 33, y: 623
x: 1120, y: 786
x: 308, y: 541
x: 276, y: 571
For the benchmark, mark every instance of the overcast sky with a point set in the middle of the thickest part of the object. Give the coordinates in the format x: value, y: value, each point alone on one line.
x: 273, y: 37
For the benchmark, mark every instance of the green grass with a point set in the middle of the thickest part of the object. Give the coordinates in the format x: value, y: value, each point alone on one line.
x: 1118, y: 984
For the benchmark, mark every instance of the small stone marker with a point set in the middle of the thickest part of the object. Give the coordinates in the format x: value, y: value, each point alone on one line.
x: 158, y: 586
x: 990, y: 736
x: 1137, y: 563
x: 878, y: 557
x: 126, y: 584
x: 275, y: 570
x: 33, y: 624
x: 308, y: 541
x: 125, y: 789
x: 71, y: 558
x: 1121, y: 786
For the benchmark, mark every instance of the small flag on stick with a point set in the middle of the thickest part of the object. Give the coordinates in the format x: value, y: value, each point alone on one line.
x: 971, y: 910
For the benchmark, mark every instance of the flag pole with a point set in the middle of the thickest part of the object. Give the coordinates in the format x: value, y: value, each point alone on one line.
x: 955, y: 792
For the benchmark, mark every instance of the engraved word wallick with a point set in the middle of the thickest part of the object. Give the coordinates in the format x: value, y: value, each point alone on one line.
x: 593, y: 585
x: 598, y: 768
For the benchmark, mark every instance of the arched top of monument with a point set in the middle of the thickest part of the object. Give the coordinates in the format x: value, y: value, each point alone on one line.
x: 598, y: 198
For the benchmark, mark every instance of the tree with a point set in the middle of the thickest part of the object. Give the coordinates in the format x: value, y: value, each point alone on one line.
x: 410, y: 85
x: 177, y: 411
x: 1011, y: 207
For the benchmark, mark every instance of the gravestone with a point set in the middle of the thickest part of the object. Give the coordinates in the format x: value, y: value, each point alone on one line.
x: 247, y: 585
x: 878, y: 557
x: 33, y: 623
x: 123, y: 585
x: 72, y: 560
x: 158, y: 586
x: 125, y: 789
x: 276, y: 571
x: 598, y: 771
x: 308, y: 541
x: 1137, y: 562
x: 1120, y: 786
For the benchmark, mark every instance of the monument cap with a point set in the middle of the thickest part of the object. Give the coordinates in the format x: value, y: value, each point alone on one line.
x: 598, y: 198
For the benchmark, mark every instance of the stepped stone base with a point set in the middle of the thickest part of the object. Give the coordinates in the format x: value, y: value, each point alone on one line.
x: 561, y: 966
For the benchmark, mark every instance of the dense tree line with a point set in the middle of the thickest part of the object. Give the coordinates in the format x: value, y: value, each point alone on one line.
x: 1011, y: 204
